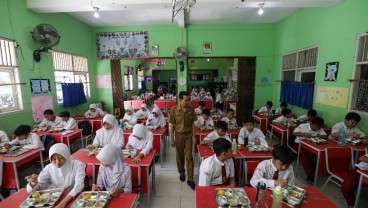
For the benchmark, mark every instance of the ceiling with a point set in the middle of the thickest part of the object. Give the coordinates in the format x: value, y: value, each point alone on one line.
x: 158, y: 12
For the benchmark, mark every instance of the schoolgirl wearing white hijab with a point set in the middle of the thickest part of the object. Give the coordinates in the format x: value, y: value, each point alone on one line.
x: 130, y: 117
x: 110, y: 133
x: 114, y: 174
x: 156, y: 118
x: 142, y: 139
x: 143, y: 112
x: 61, y: 173
x: 94, y: 111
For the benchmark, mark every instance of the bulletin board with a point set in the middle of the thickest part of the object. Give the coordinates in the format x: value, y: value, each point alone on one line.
x: 40, y: 87
x: 333, y: 96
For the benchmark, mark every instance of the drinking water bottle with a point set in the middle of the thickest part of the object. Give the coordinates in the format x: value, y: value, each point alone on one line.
x: 342, y: 136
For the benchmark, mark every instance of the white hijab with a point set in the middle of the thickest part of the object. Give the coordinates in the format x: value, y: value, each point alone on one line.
x: 140, y: 130
x: 132, y: 117
x: 111, y: 175
x: 159, y: 112
x: 111, y: 136
x: 93, y: 106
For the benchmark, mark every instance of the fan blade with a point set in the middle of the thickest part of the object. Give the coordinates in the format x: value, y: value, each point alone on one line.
x: 41, y: 30
x: 53, y: 33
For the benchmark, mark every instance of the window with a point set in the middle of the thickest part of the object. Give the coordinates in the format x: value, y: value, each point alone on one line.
x: 300, y: 66
x: 70, y: 68
x: 359, y: 95
x: 10, y: 93
x: 140, y: 77
x: 128, y: 78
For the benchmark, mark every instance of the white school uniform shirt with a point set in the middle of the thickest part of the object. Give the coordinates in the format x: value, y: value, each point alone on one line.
x: 306, y: 128
x: 160, y: 120
x: 98, y: 112
x: 3, y: 138
x: 339, y: 126
x: 210, y: 172
x: 201, y: 122
x: 278, y: 110
x: 69, y: 124
x: 284, y: 120
x: 32, y: 142
x: 141, y: 113
x: 232, y: 121
x: 265, y: 172
x: 305, y: 117
x: 70, y: 176
x: 198, y: 111
x: 214, y: 135
x: 256, y: 133
x: 113, y: 136
x: 264, y: 110
x: 56, y: 123
x: 218, y: 112
x: 146, y: 144
x: 363, y: 165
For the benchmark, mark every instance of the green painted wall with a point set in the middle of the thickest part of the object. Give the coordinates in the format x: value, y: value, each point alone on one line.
x: 16, y: 23
x: 334, y: 30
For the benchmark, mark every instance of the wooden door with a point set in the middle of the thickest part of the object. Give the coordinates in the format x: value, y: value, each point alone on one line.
x: 154, y: 80
x: 117, y: 87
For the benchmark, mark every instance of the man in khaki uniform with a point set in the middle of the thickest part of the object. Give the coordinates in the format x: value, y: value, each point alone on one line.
x: 182, y: 119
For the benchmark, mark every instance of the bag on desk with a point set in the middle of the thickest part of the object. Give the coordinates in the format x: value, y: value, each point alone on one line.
x: 87, y: 129
x: 47, y: 141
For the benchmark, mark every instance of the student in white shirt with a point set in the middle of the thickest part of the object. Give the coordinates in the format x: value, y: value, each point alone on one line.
x: 3, y: 138
x: 114, y: 174
x: 61, y: 173
x: 110, y: 133
x: 142, y: 139
x: 286, y: 118
x: 25, y: 138
x: 307, y: 117
x: 129, y: 118
x: 220, y: 131
x: 200, y: 108
x: 265, y: 110
x: 156, y: 118
x: 219, y: 168
x: 250, y: 135
x: 216, y: 110
x: 278, y: 110
x: 143, y: 112
x: 205, y: 119
x: 50, y: 120
x: 277, y: 171
x: 308, y: 130
x: 68, y: 122
x: 94, y: 111
x: 230, y: 119
x: 350, y: 126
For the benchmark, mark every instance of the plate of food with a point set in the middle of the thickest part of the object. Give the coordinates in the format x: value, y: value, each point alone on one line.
x: 257, y: 148
x: 317, y: 140
x: 42, y: 198
x: 95, y: 199
x: 295, y: 195
x: 55, y: 129
x: 126, y: 153
x: 3, y: 150
x: 231, y: 197
x: 152, y: 127
x: 128, y: 127
x: 94, y: 152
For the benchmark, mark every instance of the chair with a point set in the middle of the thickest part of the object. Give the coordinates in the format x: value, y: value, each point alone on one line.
x: 1, y: 178
x: 339, y: 161
x: 249, y: 168
x: 127, y: 104
x: 170, y: 104
x: 136, y: 104
x: 160, y: 104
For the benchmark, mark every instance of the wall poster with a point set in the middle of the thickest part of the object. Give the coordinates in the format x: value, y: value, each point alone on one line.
x: 40, y: 87
x: 122, y: 45
x: 39, y: 105
x: 334, y: 96
x: 331, y: 71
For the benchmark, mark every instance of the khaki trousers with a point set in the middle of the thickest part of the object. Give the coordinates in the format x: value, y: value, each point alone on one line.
x: 183, y: 144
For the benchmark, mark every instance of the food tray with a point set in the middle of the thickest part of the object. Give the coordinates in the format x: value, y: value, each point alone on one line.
x: 94, y: 152
x: 128, y: 127
x: 231, y: 197
x: 216, y: 116
x: 55, y: 129
x: 43, y: 198
x: 152, y: 127
x: 206, y: 128
x: 257, y: 148
x: 95, y: 199
x: 353, y: 140
x: 317, y: 140
x: 16, y: 152
x: 39, y: 129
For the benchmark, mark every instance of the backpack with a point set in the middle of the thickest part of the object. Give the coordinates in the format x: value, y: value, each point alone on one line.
x: 87, y: 129
x: 47, y: 141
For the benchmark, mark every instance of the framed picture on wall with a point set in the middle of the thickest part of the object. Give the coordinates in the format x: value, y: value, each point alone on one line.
x: 331, y: 71
x: 207, y: 47
x: 154, y: 50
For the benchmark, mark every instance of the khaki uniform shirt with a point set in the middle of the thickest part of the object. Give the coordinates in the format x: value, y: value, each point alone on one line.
x: 183, y: 121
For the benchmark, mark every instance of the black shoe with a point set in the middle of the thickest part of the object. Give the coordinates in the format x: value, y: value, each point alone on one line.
x: 191, y: 184
x: 310, y: 177
x: 157, y: 158
x: 182, y: 177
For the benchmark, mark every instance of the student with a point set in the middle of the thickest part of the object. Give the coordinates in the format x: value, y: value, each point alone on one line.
x: 349, y: 125
x: 200, y: 108
x: 230, y: 119
x: 50, y: 120
x: 351, y: 181
x: 61, y: 173
x: 3, y: 138
x: 220, y: 131
x: 265, y: 110
x: 308, y: 117
x: 286, y: 118
x: 205, y: 119
x: 143, y: 112
x: 142, y: 139
x: 216, y: 110
x: 283, y: 105
x: 68, y: 123
x: 308, y: 130
x: 219, y: 168
x: 156, y: 118
x: 110, y: 133
x: 253, y: 135
x: 94, y: 111
x: 114, y: 174
x: 25, y: 138
x: 129, y: 117
x: 277, y: 171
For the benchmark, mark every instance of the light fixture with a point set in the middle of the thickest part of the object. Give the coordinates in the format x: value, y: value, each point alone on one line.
x: 96, y: 14
x: 260, y: 8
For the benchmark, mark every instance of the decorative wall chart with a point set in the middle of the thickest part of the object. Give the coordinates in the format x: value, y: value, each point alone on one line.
x: 39, y: 105
x: 122, y: 45
x: 334, y: 96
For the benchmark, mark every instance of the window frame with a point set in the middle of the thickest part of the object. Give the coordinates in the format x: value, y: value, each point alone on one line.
x: 128, y: 77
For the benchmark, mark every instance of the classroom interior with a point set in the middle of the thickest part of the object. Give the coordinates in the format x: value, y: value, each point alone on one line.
x: 257, y: 52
